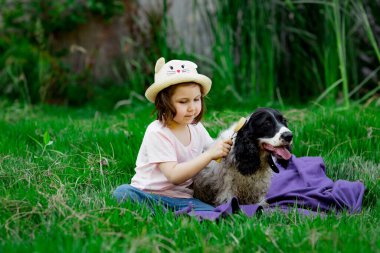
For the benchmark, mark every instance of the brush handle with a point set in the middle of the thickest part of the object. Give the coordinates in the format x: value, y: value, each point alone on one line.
x: 220, y: 159
x: 238, y: 126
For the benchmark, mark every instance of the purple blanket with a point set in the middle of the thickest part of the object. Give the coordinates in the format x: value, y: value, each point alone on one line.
x: 302, y: 184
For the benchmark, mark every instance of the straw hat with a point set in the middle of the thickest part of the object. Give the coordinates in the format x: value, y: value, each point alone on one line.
x: 175, y: 72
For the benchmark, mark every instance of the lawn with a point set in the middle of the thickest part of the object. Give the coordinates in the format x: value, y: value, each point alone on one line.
x: 59, y: 166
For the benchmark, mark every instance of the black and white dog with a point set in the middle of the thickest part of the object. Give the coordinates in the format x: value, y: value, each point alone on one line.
x: 246, y: 171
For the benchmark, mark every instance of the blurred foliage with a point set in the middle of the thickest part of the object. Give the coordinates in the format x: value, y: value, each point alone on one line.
x: 20, y: 16
x: 29, y: 68
x: 271, y: 52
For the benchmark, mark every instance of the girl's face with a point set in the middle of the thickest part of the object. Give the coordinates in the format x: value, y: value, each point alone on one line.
x: 186, y: 100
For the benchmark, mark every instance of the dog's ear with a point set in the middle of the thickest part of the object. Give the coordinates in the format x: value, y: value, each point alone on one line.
x: 246, y: 154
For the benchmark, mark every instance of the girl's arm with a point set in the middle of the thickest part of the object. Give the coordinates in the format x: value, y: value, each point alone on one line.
x: 178, y: 173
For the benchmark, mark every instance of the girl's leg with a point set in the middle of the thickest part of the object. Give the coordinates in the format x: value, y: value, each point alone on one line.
x: 179, y: 203
x: 127, y: 192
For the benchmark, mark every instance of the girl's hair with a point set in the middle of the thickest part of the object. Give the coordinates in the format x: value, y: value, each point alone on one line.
x: 165, y: 109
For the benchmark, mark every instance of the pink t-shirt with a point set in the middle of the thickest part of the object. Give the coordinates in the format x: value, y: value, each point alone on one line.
x: 160, y: 145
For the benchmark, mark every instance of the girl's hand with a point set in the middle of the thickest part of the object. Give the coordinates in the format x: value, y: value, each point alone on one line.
x: 177, y: 173
x: 220, y: 149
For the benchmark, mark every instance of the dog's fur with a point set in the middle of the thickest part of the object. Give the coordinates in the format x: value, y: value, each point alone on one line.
x: 246, y: 171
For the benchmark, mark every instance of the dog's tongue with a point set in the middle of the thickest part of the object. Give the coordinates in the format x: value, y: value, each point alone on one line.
x: 278, y: 151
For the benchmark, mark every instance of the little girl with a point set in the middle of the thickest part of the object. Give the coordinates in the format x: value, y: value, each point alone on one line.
x: 176, y: 146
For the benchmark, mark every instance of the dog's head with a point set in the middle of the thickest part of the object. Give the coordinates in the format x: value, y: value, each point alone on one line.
x: 265, y: 133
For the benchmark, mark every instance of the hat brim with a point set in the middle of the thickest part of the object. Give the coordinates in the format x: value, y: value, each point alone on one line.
x: 156, y: 87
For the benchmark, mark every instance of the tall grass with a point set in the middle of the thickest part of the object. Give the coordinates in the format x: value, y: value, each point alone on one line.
x: 282, y: 52
x: 58, y: 168
x: 330, y: 59
x: 296, y: 50
x: 363, y: 17
x: 340, y: 31
x: 245, y: 47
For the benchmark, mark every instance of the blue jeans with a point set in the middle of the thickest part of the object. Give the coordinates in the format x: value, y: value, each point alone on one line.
x: 128, y: 192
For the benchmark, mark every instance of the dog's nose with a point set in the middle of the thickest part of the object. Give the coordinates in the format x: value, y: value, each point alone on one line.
x: 287, y: 136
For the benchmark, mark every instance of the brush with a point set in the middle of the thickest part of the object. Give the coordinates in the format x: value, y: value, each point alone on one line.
x: 238, y: 126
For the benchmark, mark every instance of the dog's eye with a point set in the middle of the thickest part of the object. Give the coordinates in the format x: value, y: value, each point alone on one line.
x: 267, y: 124
x: 282, y: 119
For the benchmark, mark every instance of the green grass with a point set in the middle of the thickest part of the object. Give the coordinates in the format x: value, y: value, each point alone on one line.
x: 59, y: 166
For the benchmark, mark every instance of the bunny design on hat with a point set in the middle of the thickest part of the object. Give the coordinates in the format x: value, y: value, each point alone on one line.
x: 175, y: 72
